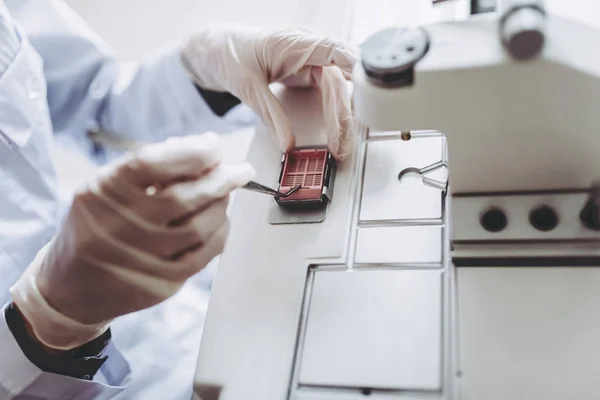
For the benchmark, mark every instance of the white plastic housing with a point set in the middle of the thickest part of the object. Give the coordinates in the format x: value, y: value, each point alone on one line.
x: 511, y: 126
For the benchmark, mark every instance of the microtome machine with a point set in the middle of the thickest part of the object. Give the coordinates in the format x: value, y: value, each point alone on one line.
x: 455, y: 255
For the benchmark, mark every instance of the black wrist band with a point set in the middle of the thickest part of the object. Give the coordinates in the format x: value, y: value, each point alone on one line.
x: 82, y: 362
x: 219, y: 102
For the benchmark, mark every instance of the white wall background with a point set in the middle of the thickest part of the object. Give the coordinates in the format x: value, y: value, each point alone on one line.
x: 136, y: 27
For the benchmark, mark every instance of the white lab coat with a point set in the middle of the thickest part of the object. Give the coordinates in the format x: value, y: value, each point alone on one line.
x: 58, y: 79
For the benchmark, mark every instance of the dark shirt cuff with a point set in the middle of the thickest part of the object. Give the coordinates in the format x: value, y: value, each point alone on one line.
x: 219, y: 102
x: 81, y: 362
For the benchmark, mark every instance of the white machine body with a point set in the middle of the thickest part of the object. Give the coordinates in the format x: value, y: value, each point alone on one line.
x: 511, y: 126
x: 401, y: 292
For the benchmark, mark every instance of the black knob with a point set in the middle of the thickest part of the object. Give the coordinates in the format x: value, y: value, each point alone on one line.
x: 493, y: 220
x: 590, y: 213
x: 543, y: 218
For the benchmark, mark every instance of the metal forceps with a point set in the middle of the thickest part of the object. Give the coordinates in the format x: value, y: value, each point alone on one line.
x: 115, y: 141
x: 257, y: 187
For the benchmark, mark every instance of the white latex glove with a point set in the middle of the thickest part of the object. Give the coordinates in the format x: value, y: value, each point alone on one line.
x: 124, y: 247
x: 244, y: 61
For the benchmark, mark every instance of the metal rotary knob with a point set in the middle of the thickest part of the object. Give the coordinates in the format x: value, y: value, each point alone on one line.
x: 389, y: 56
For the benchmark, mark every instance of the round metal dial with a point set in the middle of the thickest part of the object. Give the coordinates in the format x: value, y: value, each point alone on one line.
x: 390, y: 52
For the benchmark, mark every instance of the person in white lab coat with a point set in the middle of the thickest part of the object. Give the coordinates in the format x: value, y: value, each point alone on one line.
x: 77, y: 292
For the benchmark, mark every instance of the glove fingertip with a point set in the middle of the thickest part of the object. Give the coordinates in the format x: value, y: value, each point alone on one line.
x: 345, y: 149
x: 334, y: 147
x: 345, y: 56
x: 291, y: 144
x: 285, y: 137
x: 342, y: 145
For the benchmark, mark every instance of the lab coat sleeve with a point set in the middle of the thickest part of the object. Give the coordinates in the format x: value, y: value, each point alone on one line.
x: 20, y: 379
x: 87, y: 87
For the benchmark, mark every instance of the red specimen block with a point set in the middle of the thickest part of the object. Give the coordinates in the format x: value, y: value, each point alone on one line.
x: 309, y: 168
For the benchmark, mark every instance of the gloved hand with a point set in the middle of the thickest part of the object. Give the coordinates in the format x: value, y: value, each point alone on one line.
x: 244, y: 61
x: 126, y: 245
